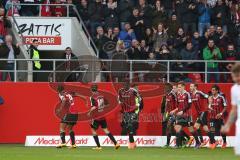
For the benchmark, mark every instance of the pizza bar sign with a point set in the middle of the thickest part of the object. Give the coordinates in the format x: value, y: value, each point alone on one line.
x: 51, y: 33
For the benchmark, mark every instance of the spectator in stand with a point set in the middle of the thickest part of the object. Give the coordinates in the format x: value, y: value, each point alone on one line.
x: 59, y: 11
x: 5, y: 24
x: 135, y: 52
x: 168, y: 6
x: 152, y: 66
x: 16, y: 9
x: 146, y: 12
x: 196, y: 41
x: 229, y: 55
x: 221, y: 15
x: 204, y: 19
x: 211, y: 53
x: 220, y: 38
x: 9, y: 51
x: 127, y: 35
x: 29, y: 10
x: 145, y: 48
x: 137, y: 23
x: 83, y: 11
x: 100, y: 39
x: 178, y: 8
x: 159, y: 14
x: 110, y: 39
x: 149, y: 37
x: 46, y: 11
x: 111, y: 18
x: 71, y: 12
x: 160, y: 37
x: 212, y: 3
x: 180, y: 40
x: 189, y: 15
x: 96, y: 15
x: 172, y: 26
x: 164, y: 53
x: 190, y: 53
x: 124, y: 10
x: 116, y: 32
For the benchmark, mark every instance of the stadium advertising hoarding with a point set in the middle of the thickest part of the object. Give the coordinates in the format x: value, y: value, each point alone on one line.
x: 141, y: 141
x: 51, y: 33
x: 31, y: 110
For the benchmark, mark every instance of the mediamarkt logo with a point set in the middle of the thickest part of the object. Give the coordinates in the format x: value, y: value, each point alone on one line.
x: 53, y: 141
x: 140, y: 141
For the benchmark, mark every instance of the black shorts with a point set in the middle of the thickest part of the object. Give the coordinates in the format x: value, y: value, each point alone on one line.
x: 171, y: 119
x: 202, y: 119
x: 184, y: 121
x: 216, y: 123
x: 70, y: 119
x: 130, y: 120
x: 96, y: 123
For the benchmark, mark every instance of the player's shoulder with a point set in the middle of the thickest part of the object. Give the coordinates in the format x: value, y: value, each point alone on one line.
x: 235, y: 88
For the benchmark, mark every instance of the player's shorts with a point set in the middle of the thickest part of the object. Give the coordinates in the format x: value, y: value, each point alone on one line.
x: 184, y: 121
x: 202, y: 119
x: 130, y: 121
x: 216, y: 122
x: 237, y: 138
x: 96, y: 123
x: 70, y: 119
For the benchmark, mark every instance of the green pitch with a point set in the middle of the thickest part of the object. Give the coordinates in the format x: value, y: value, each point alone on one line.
x: 19, y: 152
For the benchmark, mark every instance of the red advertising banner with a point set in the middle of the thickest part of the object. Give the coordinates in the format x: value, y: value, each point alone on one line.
x: 29, y: 109
x: 43, y: 40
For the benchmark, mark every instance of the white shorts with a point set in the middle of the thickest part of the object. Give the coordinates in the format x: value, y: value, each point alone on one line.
x: 237, y: 138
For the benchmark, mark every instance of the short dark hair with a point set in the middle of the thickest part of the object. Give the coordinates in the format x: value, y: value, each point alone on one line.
x: 68, y: 48
x: 35, y: 40
x: 181, y: 83
x: 195, y: 84
x: 216, y: 87
x: 236, y: 68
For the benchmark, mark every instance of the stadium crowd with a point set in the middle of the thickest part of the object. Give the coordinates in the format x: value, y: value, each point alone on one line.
x: 153, y: 30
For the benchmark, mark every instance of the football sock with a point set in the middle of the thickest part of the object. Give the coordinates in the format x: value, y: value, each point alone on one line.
x: 199, y: 132
x: 196, y: 137
x: 131, y: 139
x: 178, y: 139
x: 168, y: 138
x: 96, y: 140
x: 72, y: 136
x: 224, y: 138
x: 62, y: 136
x: 112, y: 138
x: 184, y: 134
x: 211, y: 136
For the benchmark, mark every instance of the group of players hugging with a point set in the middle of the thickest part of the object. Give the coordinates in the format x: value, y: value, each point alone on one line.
x: 178, y: 105
x: 131, y: 104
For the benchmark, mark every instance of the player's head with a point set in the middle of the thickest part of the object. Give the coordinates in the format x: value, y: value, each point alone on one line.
x: 94, y: 88
x: 181, y: 86
x: 193, y: 87
x: 174, y: 88
x: 126, y: 86
x: 60, y: 88
x: 168, y: 87
x: 236, y: 73
x: 215, y: 90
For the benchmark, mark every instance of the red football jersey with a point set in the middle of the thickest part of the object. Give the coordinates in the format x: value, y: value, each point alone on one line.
x: 128, y: 99
x: 197, y: 102
x: 217, y: 105
x: 171, y: 102
x: 97, y: 100
x: 184, y: 102
x: 70, y: 102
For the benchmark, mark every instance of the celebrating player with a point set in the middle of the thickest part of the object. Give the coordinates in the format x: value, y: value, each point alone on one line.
x: 217, y: 107
x: 235, y: 111
x: 169, y: 104
x: 202, y: 112
x: 98, y: 103
x: 69, y: 119
x: 183, y: 116
x: 129, y: 101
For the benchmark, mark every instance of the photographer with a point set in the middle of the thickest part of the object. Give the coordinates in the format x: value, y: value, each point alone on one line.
x: 212, y: 52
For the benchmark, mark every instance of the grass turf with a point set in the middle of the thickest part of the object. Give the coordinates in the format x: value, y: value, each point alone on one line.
x: 19, y: 152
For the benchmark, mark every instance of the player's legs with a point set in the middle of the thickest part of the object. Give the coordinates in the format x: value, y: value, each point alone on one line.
x: 169, y: 132
x: 62, y: 135
x: 132, y: 119
x: 109, y: 134
x: 224, y: 137
x: 194, y: 134
x: 213, y: 143
x: 237, y: 138
x: 94, y: 127
x: 198, y: 130
x: 71, y: 134
x: 178, y: 129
